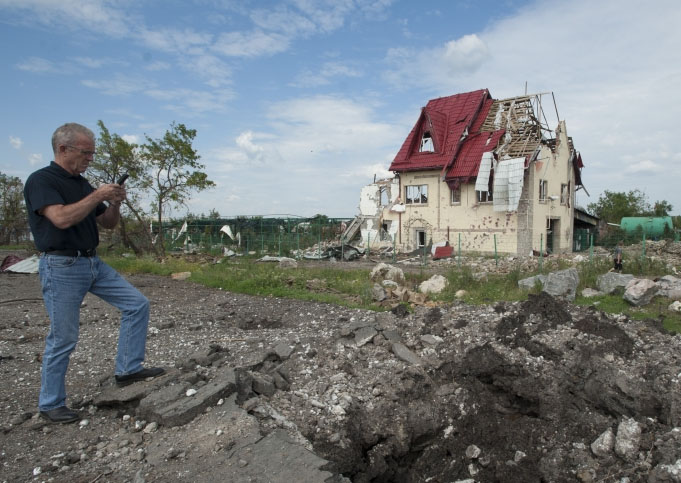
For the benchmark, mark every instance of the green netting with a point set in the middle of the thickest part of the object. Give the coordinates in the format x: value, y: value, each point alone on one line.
x: 260, y: 235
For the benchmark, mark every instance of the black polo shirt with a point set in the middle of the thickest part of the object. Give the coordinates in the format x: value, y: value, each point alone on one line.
x: 53, y: 185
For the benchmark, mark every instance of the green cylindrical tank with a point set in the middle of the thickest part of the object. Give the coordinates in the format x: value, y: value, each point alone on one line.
x: 651, y: 225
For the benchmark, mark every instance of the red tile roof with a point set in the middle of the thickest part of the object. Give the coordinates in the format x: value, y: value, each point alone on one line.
x: 447, y: 119
x: 468, y: 159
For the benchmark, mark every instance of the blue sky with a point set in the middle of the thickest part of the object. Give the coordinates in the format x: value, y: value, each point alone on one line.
x: 298, y: 104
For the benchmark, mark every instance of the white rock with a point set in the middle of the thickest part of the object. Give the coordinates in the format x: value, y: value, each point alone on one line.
x: 84, y: 422
x: 151, y: 428
x: 435, y: 284
x: 628, y: 439
x: 473, y: 452
x: 191, y: 392
x: 675, y: 306
x: 604, y: 444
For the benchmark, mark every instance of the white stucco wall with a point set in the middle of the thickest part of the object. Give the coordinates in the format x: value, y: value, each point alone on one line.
x: 476, y: 226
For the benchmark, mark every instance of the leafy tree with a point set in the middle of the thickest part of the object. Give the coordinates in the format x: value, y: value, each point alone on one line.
x: 613, y: 206
x: 662, y: 208
x: 115, y: 157
x: 173, y: 172
x: 13, y: 219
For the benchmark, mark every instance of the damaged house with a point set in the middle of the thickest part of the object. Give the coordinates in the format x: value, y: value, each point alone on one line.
x: 481, y: 174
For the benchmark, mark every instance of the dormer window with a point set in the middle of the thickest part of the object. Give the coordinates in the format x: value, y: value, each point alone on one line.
x: 427, y: 145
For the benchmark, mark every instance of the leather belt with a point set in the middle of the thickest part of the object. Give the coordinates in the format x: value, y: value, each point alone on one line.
x: 73, y: 253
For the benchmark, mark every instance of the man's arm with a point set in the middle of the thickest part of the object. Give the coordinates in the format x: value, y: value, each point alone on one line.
x: 109, y: 219
x: 65, y: 216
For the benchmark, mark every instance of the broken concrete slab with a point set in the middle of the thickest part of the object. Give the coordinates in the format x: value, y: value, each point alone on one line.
x: 112, y: 395
x: 669, y: 286
x: 562, y: 283
x: 611, y: 281
x: 364, y: 335
x: 401, y: 352
x: 278, y: 457
x: 283, y: 350
x: 640, y: 291
x: 184, y: 409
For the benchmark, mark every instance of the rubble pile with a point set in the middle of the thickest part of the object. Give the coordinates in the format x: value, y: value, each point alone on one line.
x: 267, y: 389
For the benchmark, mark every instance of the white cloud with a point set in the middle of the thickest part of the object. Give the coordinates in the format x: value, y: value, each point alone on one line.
x: 210, y: 68
x: 131, y: 138
x: 190, y: 101
x: 436, y: 67
x: 37, y: 65
x: 253, y: 151
x: 177, y: 41
x: 35, y: 159
x: 97, y: 63
x: 644, y: 168
x: 251, y: 44
x: 328, y: 72
x: 98, y: 16
x: 282, y: 20
x: 16, y: 142
x: 157, y: 66
x: 120, y: 85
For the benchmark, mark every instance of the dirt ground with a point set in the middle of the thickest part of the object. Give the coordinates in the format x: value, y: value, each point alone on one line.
x: 538, y: 391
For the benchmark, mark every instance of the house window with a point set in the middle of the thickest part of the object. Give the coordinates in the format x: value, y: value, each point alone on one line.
x: 385, y: 196
x: 420, y: 238
x: 543, y: 187
x: 416, y: 194
x: 486, y: 196
x: 564, y: 194
x: 456, y: 195
x: 427, y: 145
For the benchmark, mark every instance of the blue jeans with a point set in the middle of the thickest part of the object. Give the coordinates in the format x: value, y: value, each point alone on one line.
x: 65, y: 282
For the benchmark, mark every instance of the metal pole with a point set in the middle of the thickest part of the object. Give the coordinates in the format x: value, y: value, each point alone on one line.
x: 394, y: 249
x: 643, y: 255
x: 496, y: 260
x: 459, y: 257
x: 591, y: 247
x: 368, y: 244
x: 541, y: 252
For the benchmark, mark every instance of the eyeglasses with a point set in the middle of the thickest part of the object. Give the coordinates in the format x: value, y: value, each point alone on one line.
x: 84, y: 152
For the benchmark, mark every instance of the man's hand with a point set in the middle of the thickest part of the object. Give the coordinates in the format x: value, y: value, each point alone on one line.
x: 113, y: 193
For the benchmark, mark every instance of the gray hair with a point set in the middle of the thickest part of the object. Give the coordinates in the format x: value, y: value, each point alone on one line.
x: 68, y: 133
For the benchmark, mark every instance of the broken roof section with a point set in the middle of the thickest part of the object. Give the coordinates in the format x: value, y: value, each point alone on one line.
x: 464, y: 127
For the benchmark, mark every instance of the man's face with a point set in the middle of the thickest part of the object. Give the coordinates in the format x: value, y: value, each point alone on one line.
x: 77, y: 157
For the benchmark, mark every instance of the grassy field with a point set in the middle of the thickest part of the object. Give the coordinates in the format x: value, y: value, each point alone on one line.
x: 352, y: 287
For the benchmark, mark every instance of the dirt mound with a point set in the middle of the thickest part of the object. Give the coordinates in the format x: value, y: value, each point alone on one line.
x: 260, y: 389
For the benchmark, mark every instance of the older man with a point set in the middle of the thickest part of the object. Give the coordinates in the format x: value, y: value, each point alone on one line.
x: 63, y: 212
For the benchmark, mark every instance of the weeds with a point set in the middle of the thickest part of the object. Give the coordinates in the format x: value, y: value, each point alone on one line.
x: 353, y: 288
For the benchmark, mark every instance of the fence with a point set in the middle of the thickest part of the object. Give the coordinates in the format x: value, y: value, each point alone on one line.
x: 284, y: 235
